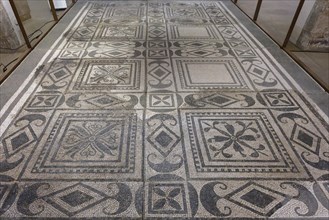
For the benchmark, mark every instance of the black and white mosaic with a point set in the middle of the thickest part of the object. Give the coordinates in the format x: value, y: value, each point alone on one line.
x: 163, y: 109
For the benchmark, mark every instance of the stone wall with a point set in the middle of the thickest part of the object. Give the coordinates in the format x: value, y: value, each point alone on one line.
x: 315, y: 34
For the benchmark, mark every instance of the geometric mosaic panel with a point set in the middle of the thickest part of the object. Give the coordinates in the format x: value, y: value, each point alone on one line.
x: 167, y: 199
x: 75, y: 199
x: 193, y: 32
x: 120, y: 32
x: 162, y: 109
x: 108, y: 75
x: 209, y: 74
x: 258, y: 199
x: 238, y: 144
x: 18, y: 140
x: 306, y: 138
x: 99, y: 143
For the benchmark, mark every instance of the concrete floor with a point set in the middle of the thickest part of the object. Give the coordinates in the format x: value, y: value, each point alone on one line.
x: 162, y: 110
x: 318, y: 63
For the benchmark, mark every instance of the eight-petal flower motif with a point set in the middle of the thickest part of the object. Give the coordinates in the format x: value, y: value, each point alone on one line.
x: 243, y: 140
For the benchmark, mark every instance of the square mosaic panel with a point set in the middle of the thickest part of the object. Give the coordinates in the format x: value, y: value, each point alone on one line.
x: 119, y: 32
x: 128, y: 11
x: 161, y: 100
x: 108, y: 74
x: 189, y: 32
x: 241, y: 144
x: 167, y: 198
x: 185, y: 11
x: 213, y: 74
x: 98, y: 143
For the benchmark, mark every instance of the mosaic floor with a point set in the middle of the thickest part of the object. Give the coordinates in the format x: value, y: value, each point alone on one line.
x: 163, y: 109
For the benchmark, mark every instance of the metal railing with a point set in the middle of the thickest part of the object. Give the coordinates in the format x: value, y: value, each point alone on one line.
x: 27, y: 42
x: 285, y: 43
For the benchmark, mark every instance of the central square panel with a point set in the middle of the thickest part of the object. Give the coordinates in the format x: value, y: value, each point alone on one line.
x: 205, y: 32
x: 209, y: 74
x: 231, y: 144
x: 108, y: 75
x: 92, y: 144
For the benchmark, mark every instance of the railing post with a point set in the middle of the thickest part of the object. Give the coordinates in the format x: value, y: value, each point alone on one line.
x: 293, y: 22
x: 53, y: 11
x: 259, y: 4
x: 20, y: 24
